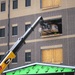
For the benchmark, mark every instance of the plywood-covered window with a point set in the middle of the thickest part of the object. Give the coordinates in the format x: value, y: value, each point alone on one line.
x: 52, y: 55
x: 50, y: 3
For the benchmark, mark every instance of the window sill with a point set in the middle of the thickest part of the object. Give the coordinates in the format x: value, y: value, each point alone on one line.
x: 2, y: 37
x: 27, y: 62
x: 58, y: 63
x: 53, y: 35
x: 15, y: 8
x: 3, y: 11
x: 27, y: 6
x: 50, y: 7
x: 14, y: 35
x: 14, y: 63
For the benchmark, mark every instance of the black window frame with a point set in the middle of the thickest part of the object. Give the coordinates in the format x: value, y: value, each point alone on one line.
x: 15, y: 4
x: 3, y: 6
x: 27, y: 27
x: 27, y: 56
x: 2, y: 32
x: 1, y: 56
x: 15, y: 30
x: 27, y: 3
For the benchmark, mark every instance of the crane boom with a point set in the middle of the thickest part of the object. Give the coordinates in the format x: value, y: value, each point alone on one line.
x: 11, y: 53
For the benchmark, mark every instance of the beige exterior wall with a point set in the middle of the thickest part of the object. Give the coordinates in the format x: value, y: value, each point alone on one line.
x: 33, y: 9
x: 4, y: 15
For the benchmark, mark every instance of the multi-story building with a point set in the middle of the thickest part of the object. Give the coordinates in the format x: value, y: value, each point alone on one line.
x: 56, y: 47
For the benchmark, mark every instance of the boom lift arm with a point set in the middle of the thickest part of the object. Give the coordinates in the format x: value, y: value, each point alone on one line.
x: 11, y: 54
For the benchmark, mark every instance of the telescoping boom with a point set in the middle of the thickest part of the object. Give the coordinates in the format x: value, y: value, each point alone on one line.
x: 11, y: 53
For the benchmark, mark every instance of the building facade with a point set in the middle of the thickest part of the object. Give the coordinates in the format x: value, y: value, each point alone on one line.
x: 57, y: 47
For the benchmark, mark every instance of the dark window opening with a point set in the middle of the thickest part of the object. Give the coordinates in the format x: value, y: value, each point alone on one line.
x: 15, y: 59
x: 2, y: 32
x: 27, y: 26
x: 27, y: 56
x: 1, y: 56
x: 14, y: 30
x: 2, y: 6
x: 27, y: 3
x: 51, y: 27
x: 15, y: 4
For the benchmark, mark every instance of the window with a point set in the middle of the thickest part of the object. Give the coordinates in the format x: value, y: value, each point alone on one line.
x: 15, y: 4
x: 15, y: 59
x: 2, y: 32
x: 2, y: 6
x: 1, y: 56
x: 14, y: 30
x: 52, y: 27
x: 52, y: 55
x: 27, y: 56
x: 27, y: 26
x: 50, y: 3
x: 27, y: 3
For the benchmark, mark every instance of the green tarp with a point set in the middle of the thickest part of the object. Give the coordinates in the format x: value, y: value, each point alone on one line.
x: 40, y: 68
